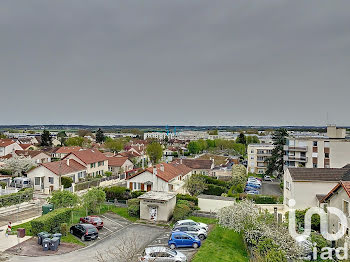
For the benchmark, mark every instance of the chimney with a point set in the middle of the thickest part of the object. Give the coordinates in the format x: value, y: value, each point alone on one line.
x: 67, y: 161
x: 162, y: 167
x: 154, y: 170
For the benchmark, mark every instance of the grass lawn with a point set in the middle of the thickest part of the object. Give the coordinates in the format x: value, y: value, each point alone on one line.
x: 27, y: 226
x: 205, y: 220
x: 69, y: 238
x: 121, y: 211
x: 222, y: 245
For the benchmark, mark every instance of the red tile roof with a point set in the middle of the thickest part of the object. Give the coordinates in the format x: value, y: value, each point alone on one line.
x: 61, y: 167
x: 67, y: 149
x: 116, y: 160
x: 6, y: 142
x: 25, y: 146
x: 343, y: 184
x: 171, y: 171
x: 30, y: 153
x: 89, y: 156
x: 197, y: 163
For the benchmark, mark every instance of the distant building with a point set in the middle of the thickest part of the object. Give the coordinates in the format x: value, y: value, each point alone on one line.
x: 8, y: 146
x: 158, y: 135
x: 330, y: 151
x: 119, y: 165
x: 257, y: 157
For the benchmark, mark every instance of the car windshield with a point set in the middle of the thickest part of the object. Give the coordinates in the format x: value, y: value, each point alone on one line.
x: 172, y: 252
x: 92, y: 230
x: 96, y: 219
x: 25, y: 182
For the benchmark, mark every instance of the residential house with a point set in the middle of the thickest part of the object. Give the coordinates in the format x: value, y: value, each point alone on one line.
x: 307, y: 186
x: 46, y: 177
x: 118, y: 165
x: 257, y: 157
x: 8, y: 146
x: 63, y: 151
x: 36, y: 155
x: 162, y: 177
x: 28, y: 147
x: 199, y: 166
x: 95, y: 162
x: 339, y: 197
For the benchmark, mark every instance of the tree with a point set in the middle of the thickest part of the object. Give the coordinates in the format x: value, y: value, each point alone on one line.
x: 66, y: 181
x: 252, y: 140
x: 239, y: 175
x: 46, y: 139
x: 18, y: 165
x: 195, y: 184
x: 275, y: 163
x: 93, y: 199
x: 2, y: 136
x: 241, y: 139
x: 193, y: 147
x: 213, y: 132
x: 62, y: 136
x: 115, y: 145
x: 155, y: 152
x: 63, y: 199
x: 100, y: 137
x: 74, y: 141
x: 84, y: 132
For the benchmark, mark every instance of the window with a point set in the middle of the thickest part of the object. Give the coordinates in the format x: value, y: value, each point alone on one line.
x: 326, y: 155
x: 101, y: 163
x: 346, y: 208
x: 51, y: 180
x: 314, y: 165
x: 37, y: 181
x: 315, y: 143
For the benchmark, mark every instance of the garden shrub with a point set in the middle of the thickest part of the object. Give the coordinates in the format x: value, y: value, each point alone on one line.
x: 64, y: 229
x: 137, y: 193
x: 6, y: 172
x: 91, y: 182
x: 188, y: 198
x: 3, y: 185
x: 52, y: 221
x: 117, y: 192
x: 214, y: 190
x: 108, y: 173
x: 181, y: 211
x: 214, y: 181
x: 66, y: 181
x: 134, y: 207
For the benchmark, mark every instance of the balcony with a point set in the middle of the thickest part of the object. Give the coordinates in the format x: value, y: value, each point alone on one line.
x: 295, y: 148
x: 293, y: 158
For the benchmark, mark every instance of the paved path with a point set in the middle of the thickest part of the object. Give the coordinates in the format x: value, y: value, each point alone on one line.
x: 144, y: 234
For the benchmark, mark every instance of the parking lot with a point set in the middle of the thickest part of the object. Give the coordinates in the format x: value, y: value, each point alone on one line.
x: 271, y: 188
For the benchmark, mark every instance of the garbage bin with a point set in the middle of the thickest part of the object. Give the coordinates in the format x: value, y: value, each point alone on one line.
x: 59, y: 235
x: 46, y: 244
x: 40, y: 237
x: 45, y: 235
x: 21, y: 232
x: 47, y: 208
x: 54, y: 243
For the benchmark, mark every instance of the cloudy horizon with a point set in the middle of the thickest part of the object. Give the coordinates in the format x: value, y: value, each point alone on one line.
x: 158, y: 62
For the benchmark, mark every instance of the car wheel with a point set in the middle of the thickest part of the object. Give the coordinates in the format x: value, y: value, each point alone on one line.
x: 201, y: 237
x: 71, y: 231
x: 195, y: 245
x: 83, y: 238
x: 172, y: 246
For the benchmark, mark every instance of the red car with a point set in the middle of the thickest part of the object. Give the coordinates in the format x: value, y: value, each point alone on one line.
x: 93, y: 220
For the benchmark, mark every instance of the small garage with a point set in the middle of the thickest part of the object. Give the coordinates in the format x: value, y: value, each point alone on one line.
x: 157, y: 206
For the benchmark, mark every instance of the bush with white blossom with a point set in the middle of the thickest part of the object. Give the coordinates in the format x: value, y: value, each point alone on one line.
x: 18, y: 164
x: 245, y: 218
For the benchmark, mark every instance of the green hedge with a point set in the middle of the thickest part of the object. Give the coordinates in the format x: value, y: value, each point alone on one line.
x: 136, y: 194
x: 6, y: 172
x: 215, y: 190
x: 181, y: 211
x: 214, y: 181
x: 52, y: 221
x: 188, y: 198
x: 16, y: 198
x: 258, y: 199
x: 117, y: 192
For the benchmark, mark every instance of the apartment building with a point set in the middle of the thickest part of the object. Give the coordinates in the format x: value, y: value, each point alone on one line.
x: 257, y: 156
x: 329, y: 151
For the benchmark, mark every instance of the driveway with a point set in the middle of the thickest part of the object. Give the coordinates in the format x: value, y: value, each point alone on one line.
x: 139, y: 234
x: 271, y: 188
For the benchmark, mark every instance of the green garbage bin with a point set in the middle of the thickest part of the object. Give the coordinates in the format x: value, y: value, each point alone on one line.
x: 46, y: 209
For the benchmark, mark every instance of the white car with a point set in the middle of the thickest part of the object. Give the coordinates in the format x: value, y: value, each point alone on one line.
x: 162, y: 254
x: 192, y: 230
x: 189, y: 222
x: 254, y: 180
x: 268, y: 178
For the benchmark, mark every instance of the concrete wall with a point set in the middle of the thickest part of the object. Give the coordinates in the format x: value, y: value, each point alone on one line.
x: 165, y: 209
x: 213, y: 205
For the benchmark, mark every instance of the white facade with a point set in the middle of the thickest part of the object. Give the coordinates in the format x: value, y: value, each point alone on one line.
x: 257, y: 156
x: 9, y: 149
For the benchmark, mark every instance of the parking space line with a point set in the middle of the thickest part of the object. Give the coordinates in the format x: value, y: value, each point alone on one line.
x: 108, y: 229
x: 112, y: 220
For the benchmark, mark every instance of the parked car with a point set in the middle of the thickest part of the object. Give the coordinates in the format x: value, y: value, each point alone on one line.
x: 192, y: 230
x: 254, y: 185
x: 268, y: 178
x: 254, y: 180
x: 248, y: 188
x: 189, y: 222
x: 93, y: 220
x: 84, y: 231
x: 253, y: 192
x: 181, y: 239
x: 21, y: 182
x: 162, y: 254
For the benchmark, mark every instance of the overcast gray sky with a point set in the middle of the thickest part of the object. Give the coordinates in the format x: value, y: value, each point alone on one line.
x: 179, y: 62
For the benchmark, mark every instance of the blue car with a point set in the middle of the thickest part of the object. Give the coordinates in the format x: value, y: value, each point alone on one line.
x: 253, y: 185
x: 181, y: 239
